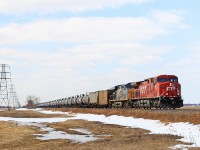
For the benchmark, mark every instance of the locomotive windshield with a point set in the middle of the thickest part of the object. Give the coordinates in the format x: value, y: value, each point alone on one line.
x: 167, y: 79
x: 173, y: 79
x: 162, y: 79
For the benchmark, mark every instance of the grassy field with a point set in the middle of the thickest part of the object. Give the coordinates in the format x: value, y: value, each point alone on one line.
x: 191, y: 107
x: 166, y: 116
x: 14, y: 137
x: 17, y: 137
x: 27, y: 114
x: 121, y: 138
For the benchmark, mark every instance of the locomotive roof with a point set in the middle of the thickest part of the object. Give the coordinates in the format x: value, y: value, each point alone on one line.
x: 165, y: 75
x: 162, y: 75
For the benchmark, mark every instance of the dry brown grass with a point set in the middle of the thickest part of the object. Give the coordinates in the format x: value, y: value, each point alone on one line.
x: 27, y: 114
x: 165, y: 116
x: 121, y: 138
x: 14, y: 137
x: 191, y: 107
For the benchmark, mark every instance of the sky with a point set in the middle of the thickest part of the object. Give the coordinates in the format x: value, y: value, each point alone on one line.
x: 61, y: 48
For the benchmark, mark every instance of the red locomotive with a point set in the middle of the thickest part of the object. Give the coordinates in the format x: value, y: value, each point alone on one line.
x: 163, y: 91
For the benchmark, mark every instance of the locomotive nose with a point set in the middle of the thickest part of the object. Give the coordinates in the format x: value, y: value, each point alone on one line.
x: 172, y: 91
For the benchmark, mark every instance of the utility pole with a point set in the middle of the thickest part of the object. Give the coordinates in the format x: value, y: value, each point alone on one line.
x: 4, y: 98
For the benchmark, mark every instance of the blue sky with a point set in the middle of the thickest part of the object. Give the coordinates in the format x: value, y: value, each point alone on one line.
x: 67, y: 47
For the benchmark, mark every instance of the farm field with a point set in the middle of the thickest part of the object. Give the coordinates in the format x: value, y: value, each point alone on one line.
x: 21, y: 128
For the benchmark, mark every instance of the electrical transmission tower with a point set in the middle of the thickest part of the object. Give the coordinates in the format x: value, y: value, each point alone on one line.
x: 8, y: 96
x: 14, y: 102
x: 4, y: 101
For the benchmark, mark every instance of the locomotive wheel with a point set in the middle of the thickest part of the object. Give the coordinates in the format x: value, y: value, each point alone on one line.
x: 126, y: 105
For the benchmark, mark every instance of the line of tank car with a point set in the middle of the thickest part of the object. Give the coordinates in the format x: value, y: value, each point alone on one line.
x: 163, y: 91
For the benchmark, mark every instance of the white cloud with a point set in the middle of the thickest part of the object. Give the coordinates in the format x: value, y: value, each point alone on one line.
x: 86, y: 30
x: 54, y: 6
x: 167, y: 16
x: 87, y: 54
x: 170, y: 17
x: 134, y: 60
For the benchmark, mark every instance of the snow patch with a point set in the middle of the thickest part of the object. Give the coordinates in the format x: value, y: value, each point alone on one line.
x: 52, y: 133
x: 190, y: 133
x: 84, y: 131
x: 63, y: 135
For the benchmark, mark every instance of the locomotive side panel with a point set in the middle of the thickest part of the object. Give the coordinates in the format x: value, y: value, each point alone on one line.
x: 122, y: 94
x: 131, y: 93
x: 147, y: 89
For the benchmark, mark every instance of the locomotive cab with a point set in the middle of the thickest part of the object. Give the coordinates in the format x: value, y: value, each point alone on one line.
x: 169, y: 91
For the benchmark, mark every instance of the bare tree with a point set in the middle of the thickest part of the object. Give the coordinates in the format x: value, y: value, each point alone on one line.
x: 32, y: 101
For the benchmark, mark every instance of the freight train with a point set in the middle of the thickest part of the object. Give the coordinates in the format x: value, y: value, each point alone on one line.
x: 160, y: 92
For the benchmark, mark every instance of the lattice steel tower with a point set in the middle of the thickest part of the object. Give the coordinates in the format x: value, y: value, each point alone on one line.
x: 4, y: 94
x: 8, y: 95
x: 14, y: 102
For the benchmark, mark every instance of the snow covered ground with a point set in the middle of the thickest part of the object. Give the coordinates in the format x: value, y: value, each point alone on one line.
x: 189, y: 132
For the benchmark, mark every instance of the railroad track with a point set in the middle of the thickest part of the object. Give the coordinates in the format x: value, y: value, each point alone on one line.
x: 180, y: 110
x: 173, y: 111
